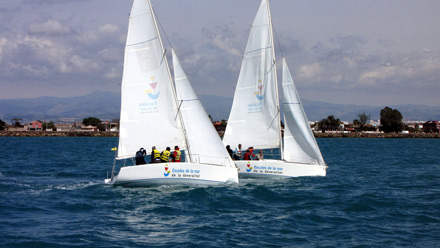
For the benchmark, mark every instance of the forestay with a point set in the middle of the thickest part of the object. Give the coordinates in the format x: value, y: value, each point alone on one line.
x: 299, y: 143
x: 254, y: 119
x: 204, y: 144
x: 148, y: 105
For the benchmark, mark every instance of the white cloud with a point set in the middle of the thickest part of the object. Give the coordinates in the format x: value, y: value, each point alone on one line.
x: 109, y: 29
x: 50, y: 27
x: 3, y: 42
x: 310, y: 71
x: 84, y: 65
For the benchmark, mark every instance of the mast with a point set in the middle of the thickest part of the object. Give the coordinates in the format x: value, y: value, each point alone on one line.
x: 278, y: 117
x: 164, y: 60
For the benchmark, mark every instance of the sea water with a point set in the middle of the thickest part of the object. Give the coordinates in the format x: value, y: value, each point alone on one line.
x: 377, y: 193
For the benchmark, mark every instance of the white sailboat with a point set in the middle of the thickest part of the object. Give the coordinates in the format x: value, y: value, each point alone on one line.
x: 154, y: 113
x: 255, y: 116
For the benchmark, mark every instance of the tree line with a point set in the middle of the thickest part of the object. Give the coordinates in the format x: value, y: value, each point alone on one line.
x: 390, y: 120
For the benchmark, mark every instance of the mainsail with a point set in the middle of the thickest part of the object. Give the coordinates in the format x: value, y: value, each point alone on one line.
x: 255, y: 119
x: 148, y: 105
x: 204, y: 144
x: 299, y: 143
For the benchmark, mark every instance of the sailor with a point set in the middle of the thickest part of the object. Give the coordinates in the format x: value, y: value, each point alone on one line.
x: 155, y: 155
x: 238, y: 153
x: 177, y: 154
x: 251, y: 151
x: 260, y: 155
x: 165, y: 155
x: 140, y: 156
x: 230, y: 152
x: 247, y: 155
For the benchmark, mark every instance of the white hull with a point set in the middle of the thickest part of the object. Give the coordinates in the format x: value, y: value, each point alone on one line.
x: 278, y: 168
x: 174, y: 173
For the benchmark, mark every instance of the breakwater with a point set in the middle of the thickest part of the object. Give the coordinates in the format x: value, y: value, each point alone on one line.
x: 56, y: 134
x: 115, y: 134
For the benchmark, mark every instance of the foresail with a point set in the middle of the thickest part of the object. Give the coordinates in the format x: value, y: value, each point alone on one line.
x: 254, y: 119
x: 148, y: 103
x: 204, y: 144
x: 299, y: 143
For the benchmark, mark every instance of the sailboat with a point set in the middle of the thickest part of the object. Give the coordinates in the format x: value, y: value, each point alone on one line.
x: 155, y: 112
x: 255, y: 118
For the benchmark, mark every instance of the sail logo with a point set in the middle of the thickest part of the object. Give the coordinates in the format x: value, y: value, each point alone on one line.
x: 167, y: 172
x: 249, y: 168
x: 259, y: 93
x: 152, y: 94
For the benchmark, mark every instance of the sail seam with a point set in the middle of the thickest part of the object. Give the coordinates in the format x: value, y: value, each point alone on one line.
x: 142, y: 13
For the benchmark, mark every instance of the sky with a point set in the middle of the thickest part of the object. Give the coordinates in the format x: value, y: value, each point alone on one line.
x: 371, y: 52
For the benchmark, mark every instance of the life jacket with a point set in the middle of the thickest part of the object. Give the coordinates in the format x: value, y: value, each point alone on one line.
x: 165, y: 156
x: 247, y: 156
x: 177, y: 155
x: 156, y: 154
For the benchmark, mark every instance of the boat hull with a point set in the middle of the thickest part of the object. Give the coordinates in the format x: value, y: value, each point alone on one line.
x: 174, y: 173
x: 278, y: 168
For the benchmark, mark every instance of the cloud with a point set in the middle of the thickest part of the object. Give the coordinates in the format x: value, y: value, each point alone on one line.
x: 310, y: 71
x: 49, y: 27
x: 3, y: 42
x: 49, y: 2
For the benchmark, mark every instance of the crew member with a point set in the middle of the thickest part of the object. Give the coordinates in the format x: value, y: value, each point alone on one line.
x: 238, y: 153
x: 165, y: 155
x: 177, y: 154
x: 140, y: 156
x: 155, y: 155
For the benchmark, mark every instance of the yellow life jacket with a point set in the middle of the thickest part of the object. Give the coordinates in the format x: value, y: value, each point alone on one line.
x: 156, y: 154
x: 165, y: 156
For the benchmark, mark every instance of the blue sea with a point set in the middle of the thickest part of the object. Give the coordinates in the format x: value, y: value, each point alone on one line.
x: 377, y: 193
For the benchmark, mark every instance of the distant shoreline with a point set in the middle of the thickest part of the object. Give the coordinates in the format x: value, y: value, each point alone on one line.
x: 116, y: 134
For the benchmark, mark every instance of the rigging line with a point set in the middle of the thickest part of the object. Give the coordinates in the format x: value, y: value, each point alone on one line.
x: 256, y: 50
x: 163, y: 30
x: 273, y: 65
x: 163, y: 55
x: 178, y: 110
x: 275, y: 117
x: 278, y: 40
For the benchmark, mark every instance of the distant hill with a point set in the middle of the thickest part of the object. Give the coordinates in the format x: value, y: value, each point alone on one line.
x: 103, y: 105
x: 106, y: 106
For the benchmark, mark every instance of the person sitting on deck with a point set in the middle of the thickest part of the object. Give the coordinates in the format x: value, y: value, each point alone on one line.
x: 140, y: 156
x: 260, y: 155
x: 230, y: 152
x: 247, y: 155
x: 155, y: 155
x: 238, y: 153
x: 251, y: 150
x: 177, y: 154
x: 165, y: 155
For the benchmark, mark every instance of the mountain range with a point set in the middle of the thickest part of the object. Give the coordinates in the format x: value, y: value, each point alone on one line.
x: 106, y: 106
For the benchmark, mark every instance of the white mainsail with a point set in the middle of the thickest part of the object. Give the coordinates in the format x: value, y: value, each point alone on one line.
x: 204, y: 144
x: 148, y: 105
x: 299, y: 143
x: 255, y: 119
